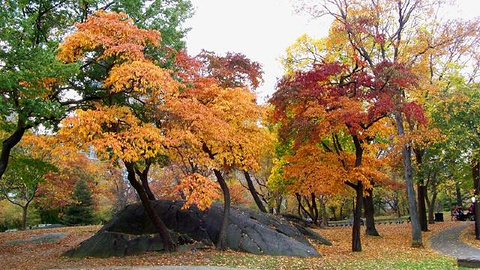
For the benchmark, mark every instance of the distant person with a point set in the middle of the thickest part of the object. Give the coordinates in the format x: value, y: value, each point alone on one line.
x: 457, y: 213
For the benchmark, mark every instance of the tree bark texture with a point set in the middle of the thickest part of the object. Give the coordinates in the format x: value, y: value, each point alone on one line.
x: 412, y: 204
x: 421, y: 190
x: 222, y: 237
x: 476, y: 185
x: 422, y: 209
x: 24, y: 217
x: 144, y: 178
x: 168, y: 244
x: 369, y: 214
x: 278, y: 205
x: 356, y: 242
x: 253, y: 191
x: 7, y: 146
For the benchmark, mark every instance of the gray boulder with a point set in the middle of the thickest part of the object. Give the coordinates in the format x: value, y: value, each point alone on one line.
x: 132, y: 232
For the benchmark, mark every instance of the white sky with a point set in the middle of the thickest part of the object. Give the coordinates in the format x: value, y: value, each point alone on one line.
x: 262, y: 30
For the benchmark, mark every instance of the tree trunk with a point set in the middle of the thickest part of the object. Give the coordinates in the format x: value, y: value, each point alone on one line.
x: 356, y: 242
x: 144, y: 178
x: 309, y: 211
x: 476, y: 185
x: 299, y: 208
x: 421, y: 190
x: 222, y: 236
x: 370, y: 214
x: 302, y: 208
x: 314, y: 209
x: 24, y: 217
x: 8, y: 145
x: 431, y: 211
x: 278, y: 205
x: 422, y: 209
x: 254, y: 192
x: 412, y: 204
x: 333, y: 209
x: 168, y: 244
x: 431, y: 203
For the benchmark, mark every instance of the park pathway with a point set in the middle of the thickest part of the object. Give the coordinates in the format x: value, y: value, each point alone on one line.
x: 448, y: 242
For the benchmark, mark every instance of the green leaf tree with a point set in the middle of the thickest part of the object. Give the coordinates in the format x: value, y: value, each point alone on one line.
x: 81, y: 211
x: 20, y: 183
x: 38, y: 90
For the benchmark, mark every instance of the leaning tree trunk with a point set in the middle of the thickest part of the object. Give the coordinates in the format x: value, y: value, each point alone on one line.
x: 370, y: 214
x: 7, y: 147
x: 301, y: 208
x: 168, y: 244
x: 144, y: 178
x: 412, y: 204
x: 254, y: 192
x: 222, y: 236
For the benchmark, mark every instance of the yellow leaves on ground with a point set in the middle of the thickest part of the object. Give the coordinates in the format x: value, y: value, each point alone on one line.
x: 390, y: 251
x: 198, y: 190
x: 468, y: 236
x: 112, y: 33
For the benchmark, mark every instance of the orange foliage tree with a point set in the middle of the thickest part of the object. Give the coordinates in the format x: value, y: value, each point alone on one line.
x: 404, y: 44
x: 126, y: 126
x: 215, y: 127
x: 334, y: 114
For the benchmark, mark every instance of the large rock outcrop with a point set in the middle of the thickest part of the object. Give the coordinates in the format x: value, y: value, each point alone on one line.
x: 131, y: 232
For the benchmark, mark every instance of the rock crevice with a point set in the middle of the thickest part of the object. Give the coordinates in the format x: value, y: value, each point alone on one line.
x: 131, y: 232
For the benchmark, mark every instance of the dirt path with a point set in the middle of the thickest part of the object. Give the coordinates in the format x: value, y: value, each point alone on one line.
x: 448, y: 242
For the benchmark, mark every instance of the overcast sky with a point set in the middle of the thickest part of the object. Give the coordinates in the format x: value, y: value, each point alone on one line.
x: 262, y: 30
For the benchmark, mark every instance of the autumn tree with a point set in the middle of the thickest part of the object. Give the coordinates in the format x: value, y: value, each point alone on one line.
x: 306, y: 53
x: 394, y: 39
x: 55, y: 192
x: 215, y: 126
x: 34, y: 83
x: 336, y: 112
x: 126, y: 128
x: 460, y: 104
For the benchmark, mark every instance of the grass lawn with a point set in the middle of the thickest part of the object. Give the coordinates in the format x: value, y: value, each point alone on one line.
x: 390, y: 251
